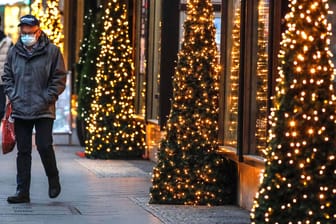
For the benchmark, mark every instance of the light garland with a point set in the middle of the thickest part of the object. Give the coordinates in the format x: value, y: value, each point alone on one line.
x: 113, y: 130
x: 298, y: 184
x: 232, y: 87
x: 37, y: 9
x: 50, y: 20
x: 86, y: 66
x: 262, y: 76
x: 189, y: 170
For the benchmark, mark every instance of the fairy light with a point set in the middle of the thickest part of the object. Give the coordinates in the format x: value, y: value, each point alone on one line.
x: 298, y: 184
x: 50, y: 20
x: 37, y: 9
x: 86, y: 67
x: 231, y: 117
x: 189, y: 169
x: 113, y: 130
x: 262, y: 76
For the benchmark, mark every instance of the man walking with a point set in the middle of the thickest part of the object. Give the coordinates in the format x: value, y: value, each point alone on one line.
x: 34, y: 77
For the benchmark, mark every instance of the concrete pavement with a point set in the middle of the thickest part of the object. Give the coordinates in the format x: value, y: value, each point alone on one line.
x: 99, y: 191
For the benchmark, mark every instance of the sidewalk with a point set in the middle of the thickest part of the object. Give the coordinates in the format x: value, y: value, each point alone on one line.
x: 95, y: 192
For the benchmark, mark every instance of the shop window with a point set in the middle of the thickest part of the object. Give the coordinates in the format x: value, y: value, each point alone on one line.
x: 154, y: 60
x: 11, y: 11
x: 142, y: 59
x: 148, y: 59
x: 262, y: 74
x: 249, y: 61
x: 232, y: 74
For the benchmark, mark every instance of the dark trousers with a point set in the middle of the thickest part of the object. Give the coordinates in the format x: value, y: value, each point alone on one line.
x: 44, y: 145
x: 2, y: 102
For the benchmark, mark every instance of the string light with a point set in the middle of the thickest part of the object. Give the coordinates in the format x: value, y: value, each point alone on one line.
x: 298, y: 184
x: 189, y: 170
x: 37, y: 9
x: 50, y: 20
x: 262, y: 76
x: 86, y: 67
x: 231, y: 116
x: 112, y: 127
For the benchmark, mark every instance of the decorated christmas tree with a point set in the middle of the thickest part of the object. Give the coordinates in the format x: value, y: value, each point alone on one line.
x: 90, y: 19
x: 189, y: 171
x: 37, y: 9
x: 87, y: 68
x: 113, y: 130
x: 299, y: 179
x: 50, y: 20
x: 88, y: 24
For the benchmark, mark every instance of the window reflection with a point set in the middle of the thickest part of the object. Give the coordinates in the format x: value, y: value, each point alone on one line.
x: 156, y: 58
x: 141, y: 82
x: 232, y: 76
x: 10, y: 16
x: 262, y: 75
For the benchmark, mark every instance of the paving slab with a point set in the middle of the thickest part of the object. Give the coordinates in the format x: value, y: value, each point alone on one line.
x: 99, y: 191
x: 172, y: 214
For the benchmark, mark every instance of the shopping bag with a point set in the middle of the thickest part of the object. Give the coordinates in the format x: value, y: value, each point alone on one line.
x: 7, y: 128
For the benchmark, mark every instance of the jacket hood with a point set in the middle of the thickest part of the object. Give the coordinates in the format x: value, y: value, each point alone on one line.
x: 43, y: 41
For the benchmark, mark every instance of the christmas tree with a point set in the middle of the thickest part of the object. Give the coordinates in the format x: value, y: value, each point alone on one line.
x: 113, y: 129
x: 50, y: 20
x: 299, y: 180
x: 87, y: 68
x: 88, y: 24
x: 189, y: 170
x: 90, y: 11
x: 37, y: 9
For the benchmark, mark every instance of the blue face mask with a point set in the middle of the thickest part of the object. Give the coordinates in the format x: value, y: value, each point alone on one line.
x: 28, y: 39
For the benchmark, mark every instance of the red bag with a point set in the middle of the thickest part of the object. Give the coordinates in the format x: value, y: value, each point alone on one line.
x: 7, y: 128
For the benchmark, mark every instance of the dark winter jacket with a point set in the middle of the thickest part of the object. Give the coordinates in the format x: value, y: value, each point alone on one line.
x: 34, y: 81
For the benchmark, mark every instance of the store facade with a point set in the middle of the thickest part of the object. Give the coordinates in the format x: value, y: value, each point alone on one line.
x: 248, y: 38
x: 10, y: 12
x: 248, y: 44
x: 248, y: 34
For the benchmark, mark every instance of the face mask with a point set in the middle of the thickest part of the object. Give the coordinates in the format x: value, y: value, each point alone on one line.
x: 28, y: 39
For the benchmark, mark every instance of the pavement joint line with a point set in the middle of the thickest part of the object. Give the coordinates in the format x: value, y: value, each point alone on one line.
x: 39, y: 209
x: 91, y: 199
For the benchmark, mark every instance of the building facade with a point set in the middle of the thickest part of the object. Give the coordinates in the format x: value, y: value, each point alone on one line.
x: 248, y: 38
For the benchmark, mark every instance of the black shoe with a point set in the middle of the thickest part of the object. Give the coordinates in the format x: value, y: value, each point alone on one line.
x: 54, y: 187
x: 18, y: 198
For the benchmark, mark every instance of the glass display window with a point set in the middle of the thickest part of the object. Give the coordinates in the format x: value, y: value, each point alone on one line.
x: 148, y: 59
x: 155, y: 60
x: 142, y: 59
x: 232, y: 74
x: 11, y: 16
x: 262, y: 76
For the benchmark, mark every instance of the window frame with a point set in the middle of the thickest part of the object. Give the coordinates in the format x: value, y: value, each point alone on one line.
x: 246, y: 144
x: 138, y: 60
x: 153, y: 65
